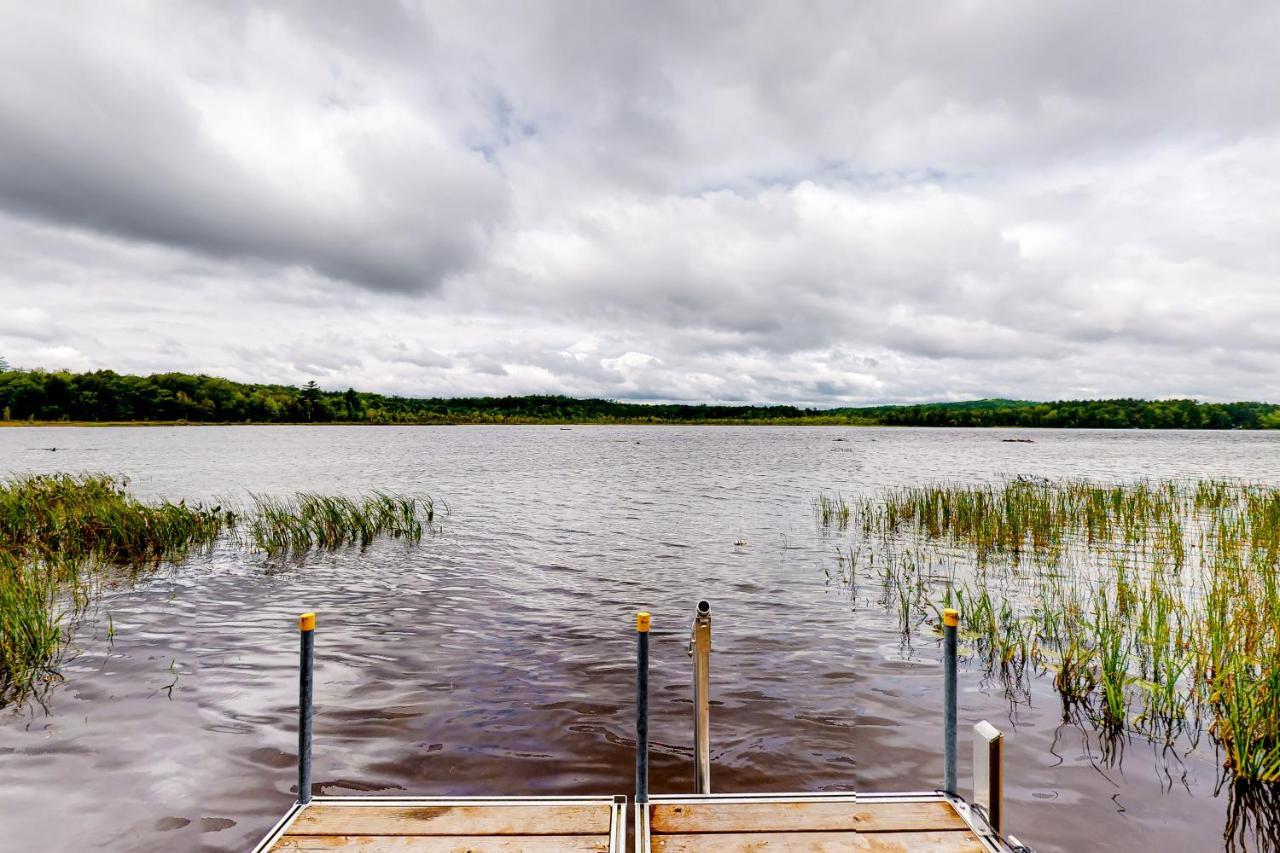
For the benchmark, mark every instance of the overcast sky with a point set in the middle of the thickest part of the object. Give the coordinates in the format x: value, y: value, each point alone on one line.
x: 827, y: 203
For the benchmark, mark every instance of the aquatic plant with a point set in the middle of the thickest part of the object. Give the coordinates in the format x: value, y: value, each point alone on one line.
x: 30, y: 633
x: 832, y: 511
x: 95, y: 517
x: 1154, y: 605
x: 294, y: 525
x: 62, y: 535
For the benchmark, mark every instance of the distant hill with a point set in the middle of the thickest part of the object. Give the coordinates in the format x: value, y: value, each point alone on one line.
x: 106, y: 396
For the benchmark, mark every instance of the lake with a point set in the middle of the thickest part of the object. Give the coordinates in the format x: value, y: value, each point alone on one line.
x: 497, y: 656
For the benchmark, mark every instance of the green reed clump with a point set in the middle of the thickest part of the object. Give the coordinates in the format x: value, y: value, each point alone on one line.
x: 294, y: 525
x: 62, y: 534
x: 95, y: 517
x: 30, y: 630
x: 832, y: 511
x: 1155, y: 605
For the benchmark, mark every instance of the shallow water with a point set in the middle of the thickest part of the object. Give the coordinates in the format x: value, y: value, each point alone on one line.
x: 497, y: 657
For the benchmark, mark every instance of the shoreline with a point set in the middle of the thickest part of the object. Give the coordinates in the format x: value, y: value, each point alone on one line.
x: 511, y: 423
x: 817, y: 422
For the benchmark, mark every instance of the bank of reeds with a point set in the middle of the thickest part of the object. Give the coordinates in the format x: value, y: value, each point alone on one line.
x: 294, y: 525
x: 1154, y: 606
x: 79, y: 517
x: 61, y: 534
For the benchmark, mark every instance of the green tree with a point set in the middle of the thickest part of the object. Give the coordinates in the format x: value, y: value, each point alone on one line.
x: 309, y: 397
x: 351, y: 400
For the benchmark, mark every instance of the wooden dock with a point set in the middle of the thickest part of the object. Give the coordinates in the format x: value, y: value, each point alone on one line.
x: 926, y: 822
x: 452, y: 825
x: 813, y: 823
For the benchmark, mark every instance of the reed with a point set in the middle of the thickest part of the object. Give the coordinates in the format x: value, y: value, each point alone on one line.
x: 295, y: 525
x: 832, y: 511
x: 1153, y: 605
x: 82, y: 517
x: 61, y: 535
x: 30, y: 633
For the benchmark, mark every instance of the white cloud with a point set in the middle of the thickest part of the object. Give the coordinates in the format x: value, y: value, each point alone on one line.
x: 823, y: 204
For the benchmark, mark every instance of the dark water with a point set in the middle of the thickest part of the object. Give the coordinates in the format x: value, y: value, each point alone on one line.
x: 497, y: 657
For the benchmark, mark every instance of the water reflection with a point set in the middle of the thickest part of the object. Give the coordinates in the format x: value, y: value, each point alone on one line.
x: 1253, y: 817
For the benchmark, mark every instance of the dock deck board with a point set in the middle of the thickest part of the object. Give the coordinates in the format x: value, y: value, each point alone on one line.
x: 809, y: 823
x: 671, y: 819
x: 820, y: 842
x: 445, y: 843
x: 438, y: 825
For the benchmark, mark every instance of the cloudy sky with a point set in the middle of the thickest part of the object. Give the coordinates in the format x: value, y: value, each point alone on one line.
x: 827, y: 203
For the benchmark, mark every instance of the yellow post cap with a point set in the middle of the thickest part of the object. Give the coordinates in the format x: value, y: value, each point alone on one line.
x: 951, y: 617
x: 307, y: 622
x: 642, y: 621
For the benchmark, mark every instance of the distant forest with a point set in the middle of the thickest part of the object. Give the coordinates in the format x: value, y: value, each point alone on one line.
x: 105, y: 396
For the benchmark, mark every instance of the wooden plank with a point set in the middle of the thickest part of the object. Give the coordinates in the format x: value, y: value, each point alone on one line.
x: 444, y: 844
x: 322, y: 819
x: 671, y: 819
x: 819, y: 842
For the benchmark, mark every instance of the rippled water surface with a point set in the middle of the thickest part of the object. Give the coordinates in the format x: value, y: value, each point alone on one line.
x: 497, y: 656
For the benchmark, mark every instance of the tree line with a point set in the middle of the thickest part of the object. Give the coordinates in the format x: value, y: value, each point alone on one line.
x: 106, y: 396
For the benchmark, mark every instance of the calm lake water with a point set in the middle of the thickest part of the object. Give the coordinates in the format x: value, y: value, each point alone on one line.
x: 497, y: 657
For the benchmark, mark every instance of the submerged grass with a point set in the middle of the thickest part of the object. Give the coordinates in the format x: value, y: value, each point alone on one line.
x: 1154, y: 605
x: 61, y: 535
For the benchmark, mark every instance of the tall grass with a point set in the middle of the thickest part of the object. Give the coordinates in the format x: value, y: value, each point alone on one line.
x: 79, y: 517
x: 294, y: 525
x: 30, y: 633
x: 1154, y: 606
x: 832, y: 511
x: 61, y: 534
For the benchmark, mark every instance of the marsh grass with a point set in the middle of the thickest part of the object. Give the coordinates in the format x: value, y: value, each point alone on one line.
x: 30, y: 629
x: 832, y: 511
x: 94, y: 517
x: 1154, y: 606
x: 62, y: 537
x: 281, y: 526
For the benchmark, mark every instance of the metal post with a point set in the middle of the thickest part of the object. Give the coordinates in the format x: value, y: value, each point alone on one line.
x: 306, y: 630
x: 700, y: 649
x: 642, y: 707
x: 950, y: 623
x: 988, y: 772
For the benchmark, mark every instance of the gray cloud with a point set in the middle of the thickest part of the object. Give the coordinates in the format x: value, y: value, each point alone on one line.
x: 102, y: 134
x: 819, y: 203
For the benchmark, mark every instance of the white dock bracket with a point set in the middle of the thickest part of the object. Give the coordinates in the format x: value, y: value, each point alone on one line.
x: 988, y: 772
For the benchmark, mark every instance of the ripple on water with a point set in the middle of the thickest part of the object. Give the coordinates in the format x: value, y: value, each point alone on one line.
x: 498, y: 658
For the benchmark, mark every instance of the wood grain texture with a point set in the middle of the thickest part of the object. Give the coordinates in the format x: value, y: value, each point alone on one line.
x: 672, y: 819
x: 442, y: 844
x: 323, y: 819
x: 955, y: 841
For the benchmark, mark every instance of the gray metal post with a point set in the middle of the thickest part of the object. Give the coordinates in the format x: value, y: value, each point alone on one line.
x: 950, y: 623
x: 700, y: 649
x: 306, y: 630
x: 642, y: 708
x: 988, y: 772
